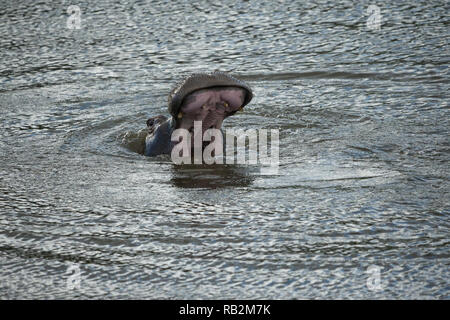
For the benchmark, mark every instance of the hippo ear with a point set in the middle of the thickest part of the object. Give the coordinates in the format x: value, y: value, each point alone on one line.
x: 155, y: 120
x: 150, y: 122
x: 199, y: 81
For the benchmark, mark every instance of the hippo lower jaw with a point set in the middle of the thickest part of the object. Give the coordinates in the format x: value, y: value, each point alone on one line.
x: 206, y: 108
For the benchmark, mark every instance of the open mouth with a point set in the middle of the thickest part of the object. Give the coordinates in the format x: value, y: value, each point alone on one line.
x: 205, y: 98
x: 207, y: 109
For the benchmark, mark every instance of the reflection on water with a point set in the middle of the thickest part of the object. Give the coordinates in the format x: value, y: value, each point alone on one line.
x: 362, y: 110
x: 210, y: 176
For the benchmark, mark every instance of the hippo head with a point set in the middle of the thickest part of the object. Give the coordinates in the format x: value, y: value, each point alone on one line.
x: 207, y: 97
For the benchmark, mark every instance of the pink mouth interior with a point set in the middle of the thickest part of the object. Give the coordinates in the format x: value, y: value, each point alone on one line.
x: 211, y: 106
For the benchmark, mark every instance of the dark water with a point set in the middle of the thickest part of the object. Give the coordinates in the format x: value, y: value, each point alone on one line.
x: 363, y: 184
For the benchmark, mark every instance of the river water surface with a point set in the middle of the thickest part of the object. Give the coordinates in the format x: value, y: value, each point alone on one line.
x: 359, y: 209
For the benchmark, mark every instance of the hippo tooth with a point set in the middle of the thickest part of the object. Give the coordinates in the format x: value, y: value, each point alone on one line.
x: 180, y: 115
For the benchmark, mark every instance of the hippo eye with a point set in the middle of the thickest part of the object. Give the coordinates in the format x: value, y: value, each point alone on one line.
x: 226, y: 104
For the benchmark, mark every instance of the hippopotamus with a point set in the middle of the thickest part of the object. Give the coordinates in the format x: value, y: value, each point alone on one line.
x: 206, y: 97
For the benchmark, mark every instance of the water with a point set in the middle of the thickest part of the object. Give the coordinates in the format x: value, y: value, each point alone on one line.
x: 360, y: 206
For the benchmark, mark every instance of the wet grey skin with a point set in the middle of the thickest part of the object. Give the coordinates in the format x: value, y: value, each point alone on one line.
x: 206, y: 97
